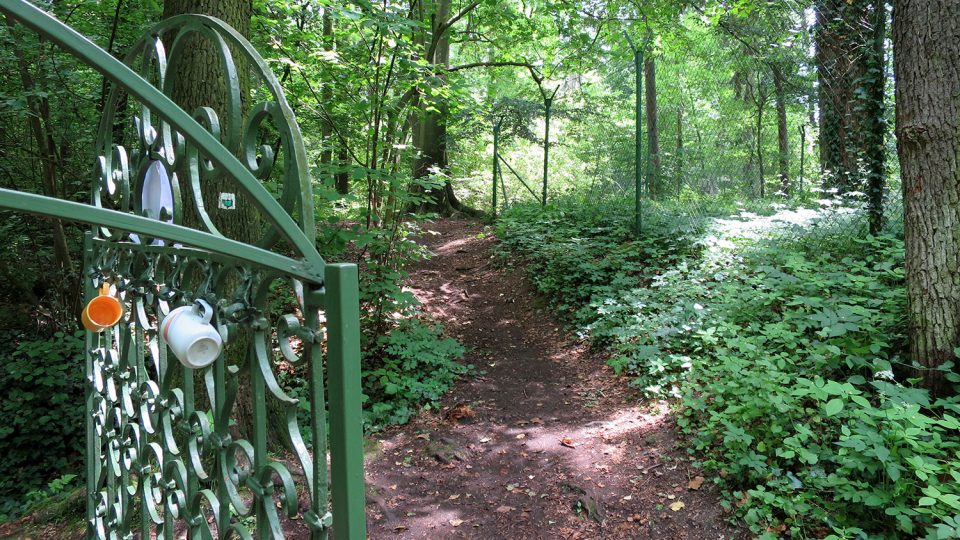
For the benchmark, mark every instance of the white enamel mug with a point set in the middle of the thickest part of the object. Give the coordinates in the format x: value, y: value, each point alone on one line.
x: 191, y: 337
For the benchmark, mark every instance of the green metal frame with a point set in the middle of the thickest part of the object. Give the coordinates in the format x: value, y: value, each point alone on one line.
x: 498, y: 174
x: 638, y: 128
x: 163, y: 453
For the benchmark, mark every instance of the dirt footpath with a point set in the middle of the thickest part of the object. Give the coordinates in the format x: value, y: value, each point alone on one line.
x: 544, y: 442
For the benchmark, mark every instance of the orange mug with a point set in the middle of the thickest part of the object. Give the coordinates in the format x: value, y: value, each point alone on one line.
x: 102, y: 312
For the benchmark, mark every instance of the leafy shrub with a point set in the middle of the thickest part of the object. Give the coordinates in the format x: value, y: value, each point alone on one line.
x: 407, y: 361
x: 42, y: 407
x: 413, y: 364
x: 788, y: 358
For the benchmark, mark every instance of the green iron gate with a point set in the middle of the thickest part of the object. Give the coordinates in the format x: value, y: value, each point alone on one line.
x: 164, y: 453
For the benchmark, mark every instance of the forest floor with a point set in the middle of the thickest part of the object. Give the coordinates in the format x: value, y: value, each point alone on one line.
x: 543, y: 442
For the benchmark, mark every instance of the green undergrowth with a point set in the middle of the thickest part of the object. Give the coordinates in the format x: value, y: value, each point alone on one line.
x: 408, y: 363
x: 42, y: 408
x: 786, y: 359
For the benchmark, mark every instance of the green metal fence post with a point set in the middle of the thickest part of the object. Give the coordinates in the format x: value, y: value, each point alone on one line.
x: 92, y: 465
x: 346, y: 426
x: 548, y: 105
x: 638, y: 127
x: 496, y: 164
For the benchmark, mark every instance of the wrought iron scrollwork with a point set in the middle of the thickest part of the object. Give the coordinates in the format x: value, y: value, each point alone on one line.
x: 162, y: 456
x: 134, y: 138
x: 169, y: 459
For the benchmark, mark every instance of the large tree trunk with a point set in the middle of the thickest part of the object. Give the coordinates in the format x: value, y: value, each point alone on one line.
x: 653, y: 131
x: 201, y: 81
x: 430, y: 134
x: 926, y: 37
x: 782, y: 138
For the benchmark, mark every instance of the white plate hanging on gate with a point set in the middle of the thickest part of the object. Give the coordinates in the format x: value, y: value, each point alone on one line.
x: 156, y: 197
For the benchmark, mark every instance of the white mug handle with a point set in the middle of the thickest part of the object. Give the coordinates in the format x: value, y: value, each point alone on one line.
x: 206, y: 310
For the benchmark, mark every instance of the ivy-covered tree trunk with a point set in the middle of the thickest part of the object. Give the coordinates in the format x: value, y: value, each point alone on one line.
x: 840, y: 41
x: 926, y: 37
x: 875, y: 150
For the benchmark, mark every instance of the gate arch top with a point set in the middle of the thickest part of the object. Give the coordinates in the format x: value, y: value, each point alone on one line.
x: 198, y: 146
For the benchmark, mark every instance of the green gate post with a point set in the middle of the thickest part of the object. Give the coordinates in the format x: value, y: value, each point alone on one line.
x: 548, y: 105
x: 346, y: 421
x: 92, y: 465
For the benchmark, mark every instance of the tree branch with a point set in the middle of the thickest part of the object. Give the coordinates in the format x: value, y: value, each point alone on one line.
x: 490, y: 64
x: 442, y: 27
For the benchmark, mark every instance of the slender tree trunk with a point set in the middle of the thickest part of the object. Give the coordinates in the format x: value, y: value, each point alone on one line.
x: 679, y: 150
x: 876, y: 129
x: 926, y: 39
x: 803, y: 154
x: 39, y: 123
x: 653, y: 131
x: 342, y: 177
x: 326, y: 95
x: 547, y: 107
x: 782, y: 139
x: 760, y: 104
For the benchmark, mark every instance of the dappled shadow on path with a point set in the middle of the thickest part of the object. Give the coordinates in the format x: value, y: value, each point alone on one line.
x: 543, y: 443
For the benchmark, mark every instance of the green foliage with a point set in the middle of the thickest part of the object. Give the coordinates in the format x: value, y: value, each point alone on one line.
x: 787, y: 358
x: 411, y: 365
x: 42, y: 408
x: 407, y: 361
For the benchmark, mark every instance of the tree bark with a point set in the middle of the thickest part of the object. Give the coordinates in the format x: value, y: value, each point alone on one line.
x: 841, y: 37
x: 201, y: 82
x: 326, y: 127
x: 679, y: 150
x: 40, y: 125
x: 876, y: 130
x: 926, y: 37
x: 782, y: 138
x: 653, y: 131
